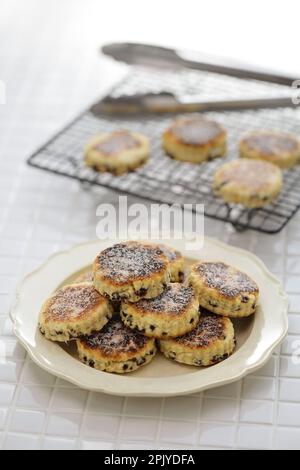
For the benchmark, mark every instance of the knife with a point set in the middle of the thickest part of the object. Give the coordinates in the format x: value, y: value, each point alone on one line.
x: 162, y: 57
x: 166, y: 102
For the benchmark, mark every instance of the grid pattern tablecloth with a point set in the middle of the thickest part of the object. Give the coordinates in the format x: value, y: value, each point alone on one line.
x: 40, y: 60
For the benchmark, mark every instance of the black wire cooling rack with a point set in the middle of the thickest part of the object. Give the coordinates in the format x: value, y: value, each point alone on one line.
x: 165, y: 180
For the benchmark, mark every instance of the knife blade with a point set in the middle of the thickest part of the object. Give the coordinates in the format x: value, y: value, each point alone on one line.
x: 162, y: 57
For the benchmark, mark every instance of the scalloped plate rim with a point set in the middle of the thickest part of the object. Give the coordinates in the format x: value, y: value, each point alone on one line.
x: 264, y: 357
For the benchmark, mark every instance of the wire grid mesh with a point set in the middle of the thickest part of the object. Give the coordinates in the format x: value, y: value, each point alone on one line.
x: 164, y: 179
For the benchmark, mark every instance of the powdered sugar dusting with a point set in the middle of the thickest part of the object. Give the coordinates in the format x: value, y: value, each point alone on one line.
x: 196, y: 130
x: 115, y: 338
x: 175, y: 299
x: 227, y: 280
x: 270, y: 143
x: 130, y: 261
x: 209, y: 329
x: 117, y: 142
x: 72, y: 302
x: 255, y: 175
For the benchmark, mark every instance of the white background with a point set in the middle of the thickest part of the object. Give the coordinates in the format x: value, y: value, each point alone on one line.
x: 259, y: 31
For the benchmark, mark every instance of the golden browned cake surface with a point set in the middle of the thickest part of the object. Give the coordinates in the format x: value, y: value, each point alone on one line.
x: 194, y: 139
x: 229, y: 282
x: 175, y: 299
x: 196, y: 131
x: 116, y: 142
x: 115, y: 339
x: 72, y: 303
x: 127, y: 262
x: 132, y: 271
x: 172, y: 313
x: 252, y: 183
x: 73, y: 311
x: 224, y: 289
x: 117, y: 152
x: 176, y: 263
x: 116, y: 348
x: 211, y: 341
x: 280, y: 148
x: 209, y: 329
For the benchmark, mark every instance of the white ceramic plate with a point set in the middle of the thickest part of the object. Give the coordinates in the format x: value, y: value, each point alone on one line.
x: 256, y: 336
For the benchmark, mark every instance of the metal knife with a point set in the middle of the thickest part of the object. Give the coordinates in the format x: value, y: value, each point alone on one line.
x: 162, y: 57
x: 166, y: 102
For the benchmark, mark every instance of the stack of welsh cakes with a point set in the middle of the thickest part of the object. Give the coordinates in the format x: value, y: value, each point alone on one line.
x: 138, y: 300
